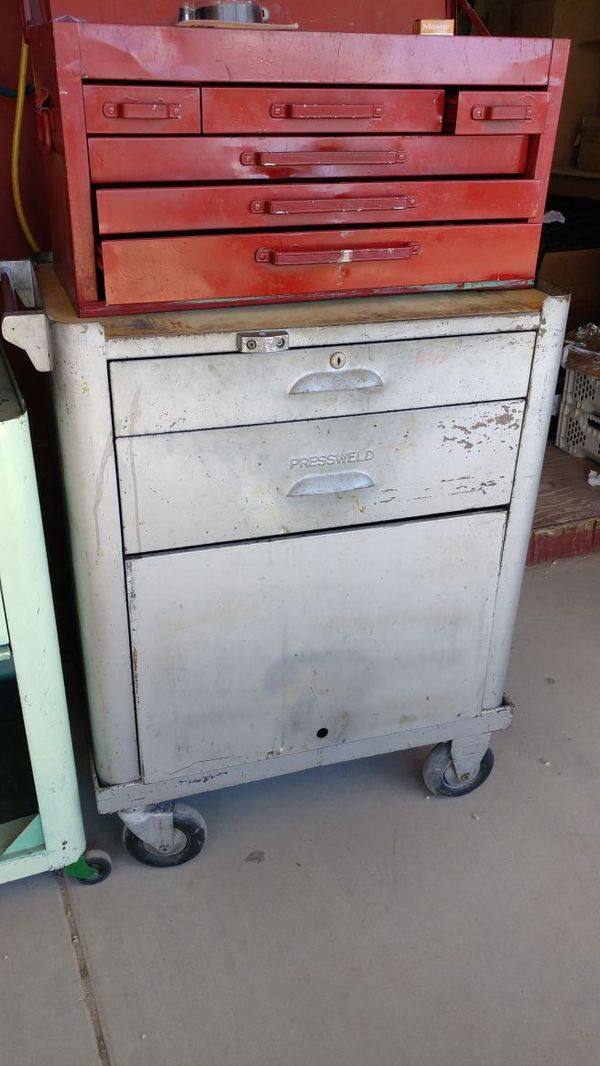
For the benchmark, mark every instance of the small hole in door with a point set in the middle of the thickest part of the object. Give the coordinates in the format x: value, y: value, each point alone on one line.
x: 322, y: 732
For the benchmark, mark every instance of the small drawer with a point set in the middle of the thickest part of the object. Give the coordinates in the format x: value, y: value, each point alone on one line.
x: 215, y: 391
x: 486, y: 111
x: 177, y: 209
x: 114, y: 160
x: 141, y: 109
x: 285, y: 265
x: 184, y: 489
x: 293, y: 109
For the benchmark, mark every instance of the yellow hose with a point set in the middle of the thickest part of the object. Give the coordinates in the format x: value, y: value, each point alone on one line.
x: 16, y: 146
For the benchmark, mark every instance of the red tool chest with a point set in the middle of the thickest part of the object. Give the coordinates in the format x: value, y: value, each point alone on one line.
x: 196, y: 166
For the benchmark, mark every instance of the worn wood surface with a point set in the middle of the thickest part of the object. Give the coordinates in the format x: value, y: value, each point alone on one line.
x: 567, y: 514
x: 285, y: 316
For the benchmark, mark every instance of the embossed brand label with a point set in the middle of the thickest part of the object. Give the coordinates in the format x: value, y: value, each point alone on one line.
x: 332, y: 460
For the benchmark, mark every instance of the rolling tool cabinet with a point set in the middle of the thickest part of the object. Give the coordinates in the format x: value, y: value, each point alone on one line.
x: 209, y: 166
x: 298, y: 534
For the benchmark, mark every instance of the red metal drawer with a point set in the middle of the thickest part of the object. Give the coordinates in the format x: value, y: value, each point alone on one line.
x: 292, y: 109
x: 499, y: 112
x: 144, y: 159
x: 285, y: 265
x: 160, y: 210
x: 141, y: 109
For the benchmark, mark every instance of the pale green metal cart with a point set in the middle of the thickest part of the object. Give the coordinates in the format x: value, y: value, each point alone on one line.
x: 52, y: 836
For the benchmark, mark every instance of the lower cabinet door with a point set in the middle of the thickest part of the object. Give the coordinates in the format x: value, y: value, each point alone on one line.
x: 252, y: 651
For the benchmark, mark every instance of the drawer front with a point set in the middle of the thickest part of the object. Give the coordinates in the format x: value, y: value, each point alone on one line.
x: 160, y: 210
x: 486, y: 111
x: 185, y: 489
x: 141, y: 109
x: 256, y: 648
x: 293, y: 109
x: 209, y: 392
x: 254, y: 158
x: 280, y: 264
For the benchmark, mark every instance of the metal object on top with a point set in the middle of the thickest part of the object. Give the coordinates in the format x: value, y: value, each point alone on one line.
x: 231, y: 11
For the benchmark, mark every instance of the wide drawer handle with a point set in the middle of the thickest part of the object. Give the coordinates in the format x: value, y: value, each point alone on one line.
x: 321, y: 159
x: 150, y: 109
x: 332, y: 205
x: 332, y: 483
x: 337, y: 381
x: 335, y: 255
x: 502, y: 113
x: 342, y: 111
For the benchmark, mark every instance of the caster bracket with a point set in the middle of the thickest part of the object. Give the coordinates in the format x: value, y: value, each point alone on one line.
x: 467, y: 753
x: 154, y: 825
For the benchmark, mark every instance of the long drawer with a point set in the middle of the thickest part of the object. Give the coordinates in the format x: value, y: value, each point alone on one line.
x: 334, y: 637
x: 216, y: 391
x: 136, y: 160
x: 186, y: 489
x: 209, y: 207
x: 295, y: 109
x: 288, y: 264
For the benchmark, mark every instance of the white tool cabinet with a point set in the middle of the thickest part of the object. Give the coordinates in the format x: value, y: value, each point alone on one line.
x: 298, y: 534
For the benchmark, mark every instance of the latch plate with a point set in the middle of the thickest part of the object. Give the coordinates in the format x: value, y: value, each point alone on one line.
x: 263, y: 340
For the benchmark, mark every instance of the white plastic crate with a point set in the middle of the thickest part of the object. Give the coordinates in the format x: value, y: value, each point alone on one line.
x: 579, y: 430
x: 581, y: 389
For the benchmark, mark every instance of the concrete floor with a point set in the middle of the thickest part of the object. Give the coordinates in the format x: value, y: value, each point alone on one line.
x: 382, y: 928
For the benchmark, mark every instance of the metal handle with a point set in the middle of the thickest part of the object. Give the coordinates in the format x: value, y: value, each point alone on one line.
x: 332, y: 205
x: 131, y: 109
x: 320, y: 159
x: 502, y: 113
x: 335, y: 255
x: 337, y: 381
x: 332, y: 483
x: 342, y: 111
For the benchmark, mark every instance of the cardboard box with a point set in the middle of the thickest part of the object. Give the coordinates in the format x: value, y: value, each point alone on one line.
x: 588, y: 157
x: 576, y: 273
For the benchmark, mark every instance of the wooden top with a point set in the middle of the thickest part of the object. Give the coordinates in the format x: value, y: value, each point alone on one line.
x: 287, y: 316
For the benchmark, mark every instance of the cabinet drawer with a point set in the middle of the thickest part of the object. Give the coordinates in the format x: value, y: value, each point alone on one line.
x: 280, y: 264
x: 176, y: 209
x: 486, y: 111
x: 255, y: 158
x: 141, y: 109
x: 185, y: 489
x: 257, y: 648
x: 212, y: 391
x: 293, y: 109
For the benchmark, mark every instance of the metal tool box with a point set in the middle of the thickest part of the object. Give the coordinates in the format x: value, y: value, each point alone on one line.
x: 209, y: 166
x: 298, y: 534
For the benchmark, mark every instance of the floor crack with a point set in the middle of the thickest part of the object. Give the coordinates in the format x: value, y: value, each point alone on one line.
x: 89, y: 996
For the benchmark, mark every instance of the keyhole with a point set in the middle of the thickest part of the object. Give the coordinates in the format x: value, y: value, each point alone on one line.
x: 338, y: 360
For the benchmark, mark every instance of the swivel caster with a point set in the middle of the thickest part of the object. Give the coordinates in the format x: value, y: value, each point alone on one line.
x: 92, y: 868
x: 445, y: 776
x: 168, y: 834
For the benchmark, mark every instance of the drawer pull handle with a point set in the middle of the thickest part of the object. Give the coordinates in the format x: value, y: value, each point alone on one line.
x: 335, y: 255
x: 502, y: 113
x: 131, y: 109
x: 341, y: 111
x: 331, y: 484
x: 321, y: 159
x: 337, y: 381
x: 332, y: 206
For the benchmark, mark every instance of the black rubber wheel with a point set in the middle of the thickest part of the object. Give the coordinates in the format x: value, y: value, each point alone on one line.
x: 100, y: 862
x: 190, y: 838
x: 439, y: 776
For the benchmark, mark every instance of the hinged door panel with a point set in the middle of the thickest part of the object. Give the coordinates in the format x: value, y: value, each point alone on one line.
x: 184, y: 489
x: 253, y: 651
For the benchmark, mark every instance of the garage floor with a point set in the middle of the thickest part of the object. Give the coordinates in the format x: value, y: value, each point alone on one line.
x: 379, y: 928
